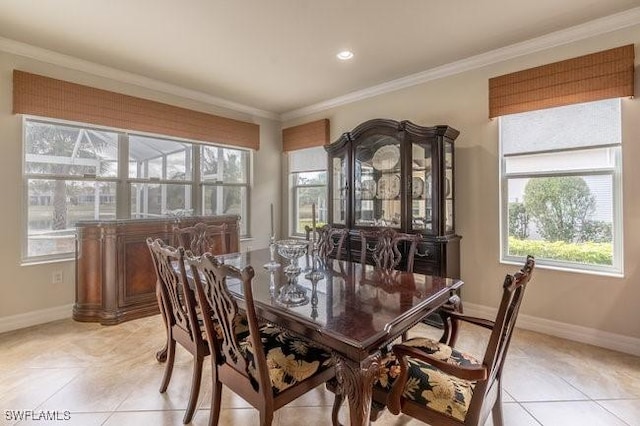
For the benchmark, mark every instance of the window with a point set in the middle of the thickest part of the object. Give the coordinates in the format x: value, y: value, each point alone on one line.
x: 225, y: 182
x: 73, y: 172
x: 561, y: 186
x: 160, y: 177
x: 308, y: 182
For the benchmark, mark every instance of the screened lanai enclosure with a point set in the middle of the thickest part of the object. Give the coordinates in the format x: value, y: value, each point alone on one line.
x: 77, y: 173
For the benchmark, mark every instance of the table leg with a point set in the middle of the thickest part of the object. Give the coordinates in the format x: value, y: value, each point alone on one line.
x: 356, y: 382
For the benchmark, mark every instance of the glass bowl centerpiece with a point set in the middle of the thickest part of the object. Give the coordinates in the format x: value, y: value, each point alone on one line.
x: 292, y: 250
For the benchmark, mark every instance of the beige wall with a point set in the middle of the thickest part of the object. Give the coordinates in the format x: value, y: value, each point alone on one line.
x: 595, y: 302
x: 26, y: 289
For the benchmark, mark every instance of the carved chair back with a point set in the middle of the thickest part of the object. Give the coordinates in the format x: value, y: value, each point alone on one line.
x: 223, y: 320
x: 179, y: 310
x: 239, y: 359
x: 330, y: 240
x: 504, y: 324
x: 177, y: 297
x: 201, y: 238
x: 327, y: 237
x: 485, y: 378
x: 383, y: 244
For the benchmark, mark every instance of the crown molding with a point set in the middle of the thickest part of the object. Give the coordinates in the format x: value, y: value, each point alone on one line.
x: 55, y: 58
x: 589, y: 29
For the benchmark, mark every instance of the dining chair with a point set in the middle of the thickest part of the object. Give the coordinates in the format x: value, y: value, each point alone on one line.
x: 201, y: 238
x: 438, y: 384
x: 383, y: 248
x: 327, y: 237
x: 268, y: 368
x: 179, y: 308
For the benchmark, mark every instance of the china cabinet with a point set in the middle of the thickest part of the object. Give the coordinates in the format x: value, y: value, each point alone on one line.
x: 387, y: 173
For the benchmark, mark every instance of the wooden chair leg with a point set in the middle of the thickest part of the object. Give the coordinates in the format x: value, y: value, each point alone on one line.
x: 195, y: 388
x: 161, y: 355
x: 266, y: 417
x: 376, y: 411
x: 216, y: 396
x: 496, y: 411
x: 337, y: 403
x: 168, y: 369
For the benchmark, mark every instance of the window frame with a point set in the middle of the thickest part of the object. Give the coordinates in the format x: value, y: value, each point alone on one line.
x: 295, y: 187
x: 202, y: 184
x: 293, y: 171
x: 615, y: 171
x: 124, y: 183
x: 163, y: 181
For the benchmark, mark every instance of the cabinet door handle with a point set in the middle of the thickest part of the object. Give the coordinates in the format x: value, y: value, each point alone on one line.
x: 426, y: 253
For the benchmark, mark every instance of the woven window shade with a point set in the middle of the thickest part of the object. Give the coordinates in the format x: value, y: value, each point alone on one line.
x: 47, y: 97
x: 306, y: 135
x: 602, y: 75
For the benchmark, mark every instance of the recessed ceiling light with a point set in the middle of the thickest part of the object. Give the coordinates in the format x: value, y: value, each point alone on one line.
x: 345, y: 55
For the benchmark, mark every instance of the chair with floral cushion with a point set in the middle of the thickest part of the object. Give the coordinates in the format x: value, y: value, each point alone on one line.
x: 437, y: 384
x: 180, y: 314
x: 268, y: 368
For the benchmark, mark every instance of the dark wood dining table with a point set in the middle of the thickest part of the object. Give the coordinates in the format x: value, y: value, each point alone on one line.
x: 352, y: 310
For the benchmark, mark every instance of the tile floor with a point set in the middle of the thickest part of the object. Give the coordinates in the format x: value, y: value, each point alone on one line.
x: 109, y: 376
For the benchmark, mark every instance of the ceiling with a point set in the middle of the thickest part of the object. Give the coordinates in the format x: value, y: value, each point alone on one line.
x: 279, y: 55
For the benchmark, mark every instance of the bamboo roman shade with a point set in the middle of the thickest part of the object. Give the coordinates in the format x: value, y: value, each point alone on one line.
x: 306, y: 135
x: 602, y: 75
x: 47, y: 97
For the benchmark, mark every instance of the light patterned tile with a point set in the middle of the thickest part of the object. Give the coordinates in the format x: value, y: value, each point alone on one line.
x: 28, y: 388
x: 110, y: 374
x: 514, y: 415
x: 572, y: 413
x: 626, y: 409
x: 526, y: 381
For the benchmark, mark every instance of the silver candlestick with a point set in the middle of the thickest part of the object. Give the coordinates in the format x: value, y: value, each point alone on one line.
x: 272, y: 265
x: 314, y: 274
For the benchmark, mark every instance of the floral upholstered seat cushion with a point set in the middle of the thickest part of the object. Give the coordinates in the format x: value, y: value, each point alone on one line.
x: 290, y: 358
x: 428, y: 385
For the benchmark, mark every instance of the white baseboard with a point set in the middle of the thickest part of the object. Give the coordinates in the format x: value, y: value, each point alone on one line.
x: 604, y: 339
x: 15, y: 322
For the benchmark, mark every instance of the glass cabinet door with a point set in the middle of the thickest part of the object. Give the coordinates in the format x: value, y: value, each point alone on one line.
x: 377, y: 180
x: 339, y: 189
x: 422, y: 197
x: 448, y: 187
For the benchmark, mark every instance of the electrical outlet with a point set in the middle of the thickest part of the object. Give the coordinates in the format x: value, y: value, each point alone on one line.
x: 57, y: 277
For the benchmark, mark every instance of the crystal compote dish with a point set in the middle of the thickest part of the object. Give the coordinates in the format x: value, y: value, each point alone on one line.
x: 292, y: 250
x: 292, y: 294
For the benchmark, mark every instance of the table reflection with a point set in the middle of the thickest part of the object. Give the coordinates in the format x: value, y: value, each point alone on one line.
x: 341, y: 298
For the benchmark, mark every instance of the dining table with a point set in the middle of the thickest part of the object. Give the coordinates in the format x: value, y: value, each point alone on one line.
x: 355, y: 311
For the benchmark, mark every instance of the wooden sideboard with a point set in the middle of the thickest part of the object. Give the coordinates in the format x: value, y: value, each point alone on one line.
x: 115, y: 278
